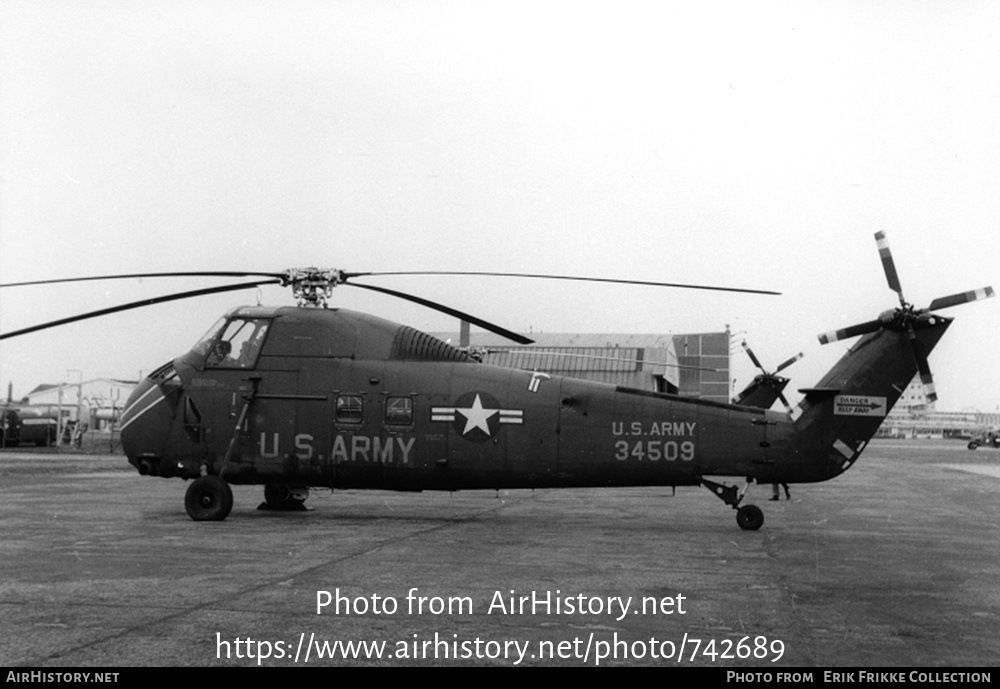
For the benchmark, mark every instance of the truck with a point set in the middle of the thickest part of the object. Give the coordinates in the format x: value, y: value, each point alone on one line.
x: 28, y: 425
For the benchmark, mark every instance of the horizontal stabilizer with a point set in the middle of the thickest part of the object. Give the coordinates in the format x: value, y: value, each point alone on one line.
x: 819, y: 392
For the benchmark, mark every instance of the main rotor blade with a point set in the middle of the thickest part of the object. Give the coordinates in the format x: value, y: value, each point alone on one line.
x: 220, y: 274
x: 138, y: 304
x: 888, y: 265
x: 486, y: 325
x: 961, y: 298
x: 564, y: 277
x: 853, y: 331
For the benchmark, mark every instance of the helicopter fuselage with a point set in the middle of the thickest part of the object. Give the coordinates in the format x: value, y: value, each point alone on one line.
x: 340, y: 399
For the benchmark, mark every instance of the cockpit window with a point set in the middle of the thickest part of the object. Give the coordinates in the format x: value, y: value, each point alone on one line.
x: 205, y: 343
x: 239, y: 343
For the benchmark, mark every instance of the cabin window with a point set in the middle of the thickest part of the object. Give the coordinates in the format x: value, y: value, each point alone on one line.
x: 399, y: 411
x: 350, y: 409
x: 239, y: 344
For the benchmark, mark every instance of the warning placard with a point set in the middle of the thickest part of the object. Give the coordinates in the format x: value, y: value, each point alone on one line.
x: 859, y: 405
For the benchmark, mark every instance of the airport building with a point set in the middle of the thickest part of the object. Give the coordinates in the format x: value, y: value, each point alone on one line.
x: 95, y: 402
x: 915, y: 417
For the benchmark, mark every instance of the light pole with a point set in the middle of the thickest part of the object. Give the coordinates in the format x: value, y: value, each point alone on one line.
x: 79, y: 394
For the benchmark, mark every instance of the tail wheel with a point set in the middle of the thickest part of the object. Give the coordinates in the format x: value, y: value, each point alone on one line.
x: 284, y: 498
x: 750, y: 517
x: 208, y: 499
x: 276, y: 495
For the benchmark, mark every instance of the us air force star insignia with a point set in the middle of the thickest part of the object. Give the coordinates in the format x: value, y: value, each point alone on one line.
x: 477, y: 416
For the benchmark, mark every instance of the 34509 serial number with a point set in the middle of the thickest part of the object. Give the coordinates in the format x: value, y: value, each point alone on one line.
x: 655, y: 450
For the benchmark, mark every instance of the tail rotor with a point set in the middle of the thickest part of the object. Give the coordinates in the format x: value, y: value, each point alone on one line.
x: 906, y: 317
x: 771, y: 382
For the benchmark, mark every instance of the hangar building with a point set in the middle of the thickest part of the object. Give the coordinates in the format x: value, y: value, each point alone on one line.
x: 695, y: 365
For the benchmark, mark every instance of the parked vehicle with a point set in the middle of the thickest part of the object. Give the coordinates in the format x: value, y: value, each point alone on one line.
x: 985, y: 439
x: 26, y: 425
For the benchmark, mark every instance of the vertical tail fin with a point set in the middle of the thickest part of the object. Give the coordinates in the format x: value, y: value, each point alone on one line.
x: 842, y: 413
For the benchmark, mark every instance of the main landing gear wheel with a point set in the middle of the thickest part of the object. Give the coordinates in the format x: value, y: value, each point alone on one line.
x: 208, y: 499
x: 749, y: 517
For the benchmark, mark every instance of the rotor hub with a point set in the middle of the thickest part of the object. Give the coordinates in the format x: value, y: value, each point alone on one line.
x: 312, y: 286
x: 907, y: 318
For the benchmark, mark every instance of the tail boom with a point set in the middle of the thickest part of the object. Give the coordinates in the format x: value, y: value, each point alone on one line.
x: 844, y: 411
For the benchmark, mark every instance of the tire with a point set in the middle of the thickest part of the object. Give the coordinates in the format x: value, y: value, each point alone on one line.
x: 208, y: 499
x: 276, y: 495
x: 973, y: 445
x: 282, y: 498
x: 750, y: 517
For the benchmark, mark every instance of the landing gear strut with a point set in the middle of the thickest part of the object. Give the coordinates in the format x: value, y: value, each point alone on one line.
x: 749, y: 517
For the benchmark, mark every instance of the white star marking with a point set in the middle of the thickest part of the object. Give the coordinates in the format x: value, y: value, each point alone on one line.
x: 476, y: 416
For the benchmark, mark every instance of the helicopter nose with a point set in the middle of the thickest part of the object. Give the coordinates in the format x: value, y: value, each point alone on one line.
x: 146, y: 423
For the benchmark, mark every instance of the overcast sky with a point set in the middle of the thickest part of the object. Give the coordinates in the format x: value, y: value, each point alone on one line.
x: 744, y: 144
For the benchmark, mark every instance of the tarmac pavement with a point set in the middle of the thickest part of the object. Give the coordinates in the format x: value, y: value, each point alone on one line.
x: 894, y: 564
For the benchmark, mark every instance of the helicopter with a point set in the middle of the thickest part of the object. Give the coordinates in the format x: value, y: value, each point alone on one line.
x: 308, y: 396
x: 766, y: 387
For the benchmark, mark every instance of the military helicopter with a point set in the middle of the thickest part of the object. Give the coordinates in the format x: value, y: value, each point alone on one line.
x: 766, y: 387
x: 311, y: 396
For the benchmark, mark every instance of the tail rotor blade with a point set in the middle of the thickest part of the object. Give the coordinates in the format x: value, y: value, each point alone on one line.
x: 888, y: 265
x: 961, y: 298
x: 752, y: 357
x: 784, y: 401
x: 789, y: 362
x: 924, y: 368
x: 929, y: 390
x: 853, y: 331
